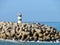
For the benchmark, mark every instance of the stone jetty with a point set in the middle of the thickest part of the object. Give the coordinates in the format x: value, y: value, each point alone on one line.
x: 28, y: 32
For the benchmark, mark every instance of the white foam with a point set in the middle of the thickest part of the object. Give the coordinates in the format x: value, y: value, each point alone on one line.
x: 57, y: 41
x: 14, y: 41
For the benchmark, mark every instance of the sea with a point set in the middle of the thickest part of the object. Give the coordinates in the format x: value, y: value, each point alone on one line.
x: 53, y: 24
x: 26, y: 43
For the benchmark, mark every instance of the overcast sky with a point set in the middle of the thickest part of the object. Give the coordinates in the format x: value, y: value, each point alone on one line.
x: 32, y: 10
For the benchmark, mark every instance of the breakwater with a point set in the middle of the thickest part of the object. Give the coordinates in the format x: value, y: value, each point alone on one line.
x: 28, y: 32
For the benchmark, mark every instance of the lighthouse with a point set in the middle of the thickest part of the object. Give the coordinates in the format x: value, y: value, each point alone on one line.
x: 19, y: 17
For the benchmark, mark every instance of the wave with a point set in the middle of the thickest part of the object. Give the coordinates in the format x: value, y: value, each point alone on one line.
x: 14, y: 41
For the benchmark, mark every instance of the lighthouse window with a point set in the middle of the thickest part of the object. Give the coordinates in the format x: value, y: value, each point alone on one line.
x: 20, y: 15
x: 20, y: 19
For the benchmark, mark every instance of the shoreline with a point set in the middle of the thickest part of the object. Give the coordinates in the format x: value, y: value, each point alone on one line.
x: 14, y: 41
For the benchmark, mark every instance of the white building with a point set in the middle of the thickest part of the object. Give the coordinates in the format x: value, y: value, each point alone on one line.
x: 19, y: 17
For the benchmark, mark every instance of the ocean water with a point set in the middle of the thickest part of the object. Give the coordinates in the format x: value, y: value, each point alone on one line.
x: 53, y: 24
x: 26, y: 43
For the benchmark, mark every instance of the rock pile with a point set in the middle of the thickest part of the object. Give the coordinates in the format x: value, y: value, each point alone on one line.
x: 28, y: 32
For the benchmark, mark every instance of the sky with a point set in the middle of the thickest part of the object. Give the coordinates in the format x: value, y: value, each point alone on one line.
x: 32, y: 10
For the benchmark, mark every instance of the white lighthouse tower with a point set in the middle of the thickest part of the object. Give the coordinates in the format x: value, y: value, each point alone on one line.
x: 19, y: 17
